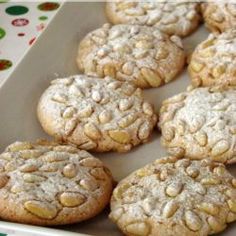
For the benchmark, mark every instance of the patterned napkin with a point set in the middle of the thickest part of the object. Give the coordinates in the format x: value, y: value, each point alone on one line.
x: 20, y: 25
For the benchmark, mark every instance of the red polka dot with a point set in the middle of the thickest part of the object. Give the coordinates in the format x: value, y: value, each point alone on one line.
x: 21, y: 34
x: 48, y: 6
x: 31, y: 41
x: 20, y: 22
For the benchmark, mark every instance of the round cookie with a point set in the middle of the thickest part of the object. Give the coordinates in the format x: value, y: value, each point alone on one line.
x: 175, y: 197
x: 138, y: 54
x: 200, y: 123
x: 96, y: 114
x: 219, y: 16
x: 44, y: 183
x: 213, y: 61
x: 174, y: 18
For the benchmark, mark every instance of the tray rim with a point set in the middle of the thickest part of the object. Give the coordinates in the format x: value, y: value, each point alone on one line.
x: 38, y: 230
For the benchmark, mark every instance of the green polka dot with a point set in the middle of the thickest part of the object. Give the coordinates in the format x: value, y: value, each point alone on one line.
x: 17, y: 10
x: 2, y: 33
x: 5, y: 64
x: 48, y: 6
x: 43, y: 18
x: 4, y: 1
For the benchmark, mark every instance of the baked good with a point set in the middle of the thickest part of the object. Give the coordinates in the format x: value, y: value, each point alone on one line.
x: 219, y: 16
x: 200, y: 123
x: 44, y: 183
x: 213, y: 61
x: 138, y: 54
x: 174, y: 18
x: 96, y: 114
x: 175, y: 197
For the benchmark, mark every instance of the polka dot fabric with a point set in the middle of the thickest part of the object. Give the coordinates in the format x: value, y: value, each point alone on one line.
x: 21, y: 23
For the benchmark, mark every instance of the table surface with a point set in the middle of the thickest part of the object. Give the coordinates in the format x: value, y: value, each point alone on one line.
x: 21, y: 23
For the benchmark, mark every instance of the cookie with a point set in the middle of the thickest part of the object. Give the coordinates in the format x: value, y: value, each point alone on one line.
x: 44, y: 183
x: 219, y: 16
x: 96, y: 114
x: 175, y: 197
x: 200, y: 124
x: 174, y: 18
x: 213, y: 61
x: 138, y: 54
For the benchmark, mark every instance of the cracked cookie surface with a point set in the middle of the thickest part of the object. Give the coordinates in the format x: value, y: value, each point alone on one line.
x: 174, y: 18
x: 138, y: 54
x: 174, y: 196
x: 219, y: 16
x: 96, y: 114
x: 213, y: 61
x: 200, y: 123
x: 44, y: 183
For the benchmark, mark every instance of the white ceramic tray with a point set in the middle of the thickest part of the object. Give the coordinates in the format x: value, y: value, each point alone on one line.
x: 54, y: 55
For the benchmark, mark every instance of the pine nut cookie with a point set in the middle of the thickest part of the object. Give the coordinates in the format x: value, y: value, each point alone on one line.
x: 96, y: 114
x: 213, y: 61
x: 44, y: 183
x: 219, y: 16
x: 174, y: 18
x: 175, y: 197
x: 138, y: 54
x: 200, y: 123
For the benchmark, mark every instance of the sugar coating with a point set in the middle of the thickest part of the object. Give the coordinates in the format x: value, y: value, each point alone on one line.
x: 200, y: 124
x: 219, y: 16
x: 174, y: 18
x: 213, y: 61
x: 138, y: 54
x: 96, y: 114
x: 44, y: 183
x: 175, y: 197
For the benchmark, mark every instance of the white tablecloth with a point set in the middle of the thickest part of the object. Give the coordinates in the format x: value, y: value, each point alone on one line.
x: 20, y: 25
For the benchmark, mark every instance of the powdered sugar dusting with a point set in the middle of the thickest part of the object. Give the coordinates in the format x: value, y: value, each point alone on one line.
x: 178, y: 18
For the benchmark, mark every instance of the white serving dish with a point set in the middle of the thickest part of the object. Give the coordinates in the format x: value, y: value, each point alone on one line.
x: 54, y: 55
